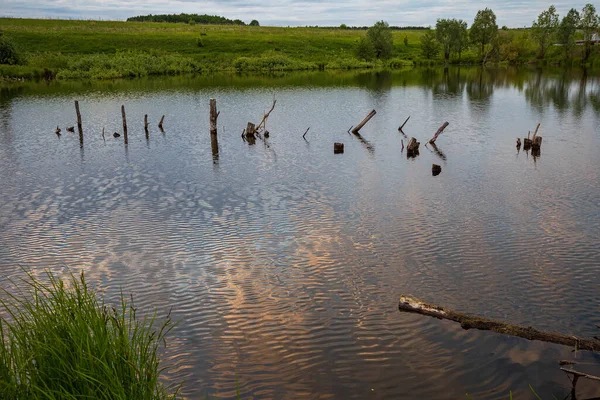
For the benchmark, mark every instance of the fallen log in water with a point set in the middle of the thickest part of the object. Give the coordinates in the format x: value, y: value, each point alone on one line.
x: 466, y: 321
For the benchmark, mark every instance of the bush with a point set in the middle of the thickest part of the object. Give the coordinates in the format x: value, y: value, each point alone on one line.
x: 60, y: 341
x: 199, y: 42
x: 365, y: 49
x: 8, y: 52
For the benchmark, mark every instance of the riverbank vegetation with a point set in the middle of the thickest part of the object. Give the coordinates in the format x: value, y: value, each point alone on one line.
x: 108, y: 49
x: 59, y: 340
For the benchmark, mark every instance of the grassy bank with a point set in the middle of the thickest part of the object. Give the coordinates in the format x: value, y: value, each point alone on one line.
x: 94, y: 49
x: 60, y: 341
x: 111, y: 49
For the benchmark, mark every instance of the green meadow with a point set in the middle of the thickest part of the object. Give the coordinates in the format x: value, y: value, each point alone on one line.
x: 95, y: 49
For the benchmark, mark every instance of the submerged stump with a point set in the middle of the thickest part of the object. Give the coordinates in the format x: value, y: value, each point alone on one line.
x: 436, y: 170
x: 338, y: 148
x: 412, y: 149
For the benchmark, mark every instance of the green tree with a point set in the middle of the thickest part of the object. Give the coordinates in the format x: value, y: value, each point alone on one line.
x: 451, y: 35
x: 254, y: 23
x: 444, y: 36
x: 365, y: 49
x: 429, y: 45
x: 589, y: 25
x: 461, y: 36
x: 343, y: 26
x: 380, y: 36
x: 566, y: 31
x: 544, y: 29
x: 484, y: 29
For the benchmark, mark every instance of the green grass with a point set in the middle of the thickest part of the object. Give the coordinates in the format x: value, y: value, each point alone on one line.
x: 59, y: 341
x: 94, y: 49
x: 69, y: 49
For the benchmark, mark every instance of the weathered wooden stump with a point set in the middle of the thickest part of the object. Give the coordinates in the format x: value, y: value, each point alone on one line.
x: 250, y: 130
x: 79, y: 124
x: 338, y: 148
x: 124, y: 123
x: 518, y: 143
x: 526, y: 144
x: 412, y: 150
x: 116, y: 134
x: 536, y: 143
x: 146, y: 122
x: 213, y: 116
x: 436, y: 170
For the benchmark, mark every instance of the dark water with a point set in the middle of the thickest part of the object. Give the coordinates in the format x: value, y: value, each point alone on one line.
x: 284, y: 262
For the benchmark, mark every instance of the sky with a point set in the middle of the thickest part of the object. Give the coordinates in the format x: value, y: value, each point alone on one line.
x: 512, y: 13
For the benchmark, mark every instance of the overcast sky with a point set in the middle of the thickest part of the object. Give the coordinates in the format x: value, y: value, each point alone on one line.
x: 512, y: 13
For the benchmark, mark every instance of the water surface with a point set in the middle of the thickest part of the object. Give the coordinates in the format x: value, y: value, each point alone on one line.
x: 284, y: 262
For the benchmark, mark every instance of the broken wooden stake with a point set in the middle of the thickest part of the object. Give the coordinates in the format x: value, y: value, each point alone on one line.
x: 526, y: 144
x: 518, y: 143
x: 364, y: 121
x: 160, y: 123
x: 436, y: 170
x: 338, y: 148
x: 146, y: 122
x: 262, y: 125
x: 467, y: 321
x: 402, y: 142
x: 124, y: 123
x: 439, y: 132
x: 402, y: 126
x: 303, y: 136
x: 213, y: 116
x: 412, y: 150
x: 79, y: 124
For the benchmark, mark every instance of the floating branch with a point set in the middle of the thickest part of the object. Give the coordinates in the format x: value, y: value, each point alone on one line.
x: 350, y: 128
x: 439, y: 132
x: 402, y: 142
x: 402, y: 126
x: 103, y: 138
x: 124, y: 123
x: 576, y: 376
x: 303, y: 136
x: 160, y: 123
x: 364, y: 121
x: 414, y: 305
x: 438, y: 152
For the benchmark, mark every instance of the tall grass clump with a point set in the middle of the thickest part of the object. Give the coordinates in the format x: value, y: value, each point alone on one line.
x: 59, y: 341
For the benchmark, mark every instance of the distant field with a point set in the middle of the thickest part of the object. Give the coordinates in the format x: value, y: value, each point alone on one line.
x: 57, y: 44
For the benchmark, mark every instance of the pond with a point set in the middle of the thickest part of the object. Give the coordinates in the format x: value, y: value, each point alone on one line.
x: 284, y: 262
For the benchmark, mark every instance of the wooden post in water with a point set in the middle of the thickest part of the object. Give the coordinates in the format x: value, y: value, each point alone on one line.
x: 124, y: 123
x: 213, y: 116
x: 402, y: 126
x: 439, y: 132
x: 412, y: 149
x: 146, y: 122
x: 160, y: 123
x: 364, y: 121
x: 79, y: 125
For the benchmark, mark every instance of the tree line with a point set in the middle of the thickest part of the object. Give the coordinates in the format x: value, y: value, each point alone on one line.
x: 190, y: 19
x: 451, y: 37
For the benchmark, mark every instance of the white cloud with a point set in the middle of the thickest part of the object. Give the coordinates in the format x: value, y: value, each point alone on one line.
x: 513, y: 13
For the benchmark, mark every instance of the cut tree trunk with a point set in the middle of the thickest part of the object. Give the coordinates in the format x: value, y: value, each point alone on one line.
x: 338, y: 148
x: 412, y: 149
x: 467, y: 321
